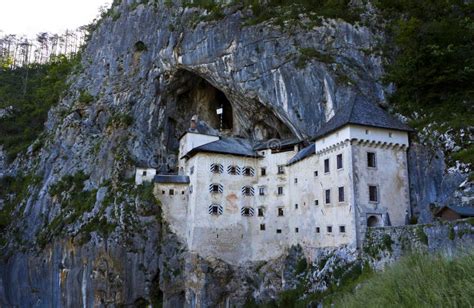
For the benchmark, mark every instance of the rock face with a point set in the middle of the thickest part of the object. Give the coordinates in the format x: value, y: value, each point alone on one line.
x: 149, y: 70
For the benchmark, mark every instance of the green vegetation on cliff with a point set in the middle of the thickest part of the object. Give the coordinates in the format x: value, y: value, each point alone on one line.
x: 418, y: 281
x: 30, y: 91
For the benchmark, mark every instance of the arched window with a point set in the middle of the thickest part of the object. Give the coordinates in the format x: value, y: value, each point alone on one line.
x: 234, y: 170
x: 248, y: 171
x: 247, y: 211
x: 374, y: 221
x: 248, y: 191
x: 216, y: 209
x: 216, y: 188
x: 217, y: 168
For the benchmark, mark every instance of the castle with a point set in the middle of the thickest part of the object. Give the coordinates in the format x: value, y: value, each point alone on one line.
x: 241, y: 201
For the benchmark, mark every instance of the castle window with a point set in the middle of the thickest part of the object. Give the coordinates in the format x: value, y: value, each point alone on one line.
x: 182, y: 192
x: 262, y: 227
x: 171, y: 192
x: 216, y: 209
x: 371, y: 162
x: 248, y: 191
x: 261, y: 211
x: 366, y: 131
x: 217, y: 168
x: 390, y: 135
x: 296, y: 206
x: 280, y: 190
x: 216, y: 188
x: 327, y: 195
x: 278, y: 231
x: 191, y: 170
x: 342, y: 229
x: 341, y: 194
x: 318, y: 230
x: 315, y: 173
x: 247, y: 211
x: 373, y: 194
x: 296, y: 180
x: 144, y: 173
x: 263, y: 171
x: 316, y: 202
x: 326, y: 165
x: 191, y: 189
x: 234, y: 170
x: 329, y: 229
x: 339, y: 161
x: 281, y: 169
x: 297, y: 230
x: 248, y: 171
x: 163, y: 192
x: 280, y: 211
x: 261, y: 190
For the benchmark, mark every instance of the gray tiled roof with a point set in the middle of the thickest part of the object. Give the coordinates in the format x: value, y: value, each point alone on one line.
x: 306, y: 152
x: 231, y: 146
x: 462, y: 210
x: 361, y: 112
x: 168, y: 178
x: 276, y: 143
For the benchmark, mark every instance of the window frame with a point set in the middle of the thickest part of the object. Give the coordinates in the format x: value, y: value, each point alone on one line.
x: 281, y: 169
x: 377, y: 197
x: 329, y: 229
x: 280, y: 191
x: 263, y: 171
x: 339, y: 194
x: 369, y: 161
x: 280, y: 212
x: 342, y: 229
x: 327, y: 166
x: 339, y: 162
x: 327, y: 196
x: 262, y: 190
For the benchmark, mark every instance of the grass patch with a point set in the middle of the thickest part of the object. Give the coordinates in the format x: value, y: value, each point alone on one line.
x: 418, y: 281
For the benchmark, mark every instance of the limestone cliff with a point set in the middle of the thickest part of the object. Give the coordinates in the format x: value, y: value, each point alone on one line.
x: 84, y: 236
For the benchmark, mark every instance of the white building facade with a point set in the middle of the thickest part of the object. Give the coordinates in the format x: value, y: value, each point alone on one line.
x: 241, y: 202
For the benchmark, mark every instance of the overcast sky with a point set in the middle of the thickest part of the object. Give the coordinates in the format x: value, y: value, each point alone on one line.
x: 32, y: 16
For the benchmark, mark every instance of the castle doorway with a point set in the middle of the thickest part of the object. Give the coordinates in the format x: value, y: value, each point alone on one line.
x: 374, y: 221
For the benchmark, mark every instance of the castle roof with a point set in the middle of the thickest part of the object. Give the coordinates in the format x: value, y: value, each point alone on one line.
x: 361, y: 112
x: 305, y: 152
x: 465, y: 211
x: 174, y: 179
x: 230, y: 146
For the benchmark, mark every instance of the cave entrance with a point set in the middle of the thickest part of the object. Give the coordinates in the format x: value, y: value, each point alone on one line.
x: 231, y: 114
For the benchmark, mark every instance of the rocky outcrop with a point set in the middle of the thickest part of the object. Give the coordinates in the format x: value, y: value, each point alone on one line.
x: 145, y: 72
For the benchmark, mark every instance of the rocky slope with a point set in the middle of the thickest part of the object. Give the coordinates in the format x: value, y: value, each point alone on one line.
x: 145, y: 72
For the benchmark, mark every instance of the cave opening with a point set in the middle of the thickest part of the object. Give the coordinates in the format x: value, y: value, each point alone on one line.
x: 219, y: 111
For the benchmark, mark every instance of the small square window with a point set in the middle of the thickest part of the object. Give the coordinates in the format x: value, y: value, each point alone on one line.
x: 371, y: 161
x: 261, y: 191
x: 171, y: 192
x: 339, y: 161
x: 281, y: 169
x: 215, y: 188
x: 342, y: 229
x: 327, y: 195
x: 163, y: 192
x: 260, y: 211
x: 326, y: 165
x: 280, y: 190
x: 316, y: 202
x: 315, y: 173
x: 296, y: 180
x: 296, y: 206
x: 373, y: 194
x: 318, y: 230
x: 263, y: 171
x: 297, y: 230
x: 262, y: 227
x: 144, y: 173
x: 280, y: 211
x: 329, y: 228
x: 182, y: 192
x: 215, y: 210
x: 341, y: 194
x: 278, y: 230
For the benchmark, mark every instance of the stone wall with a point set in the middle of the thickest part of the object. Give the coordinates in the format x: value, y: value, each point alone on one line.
x: 387, y: 244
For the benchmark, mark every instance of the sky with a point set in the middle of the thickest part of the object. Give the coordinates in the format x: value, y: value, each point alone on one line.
x: 30, y: 17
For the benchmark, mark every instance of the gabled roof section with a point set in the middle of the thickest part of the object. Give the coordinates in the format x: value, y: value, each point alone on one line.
x: 466, y: 211
x: 170, y: 178
x: 304, y: 153
x: 276, y: 143
x: 361, y: 112
x: 230, y: 146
